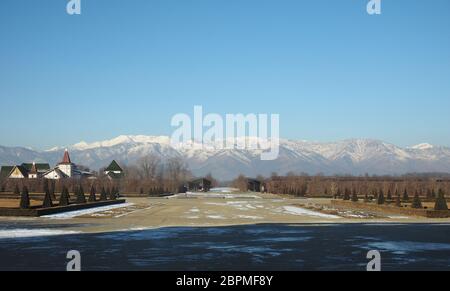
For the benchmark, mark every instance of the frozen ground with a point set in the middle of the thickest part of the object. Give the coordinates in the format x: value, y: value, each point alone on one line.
x: 24, y: 233
x: 203, y: 210
x: 303, y: 211
x: 92, y: 211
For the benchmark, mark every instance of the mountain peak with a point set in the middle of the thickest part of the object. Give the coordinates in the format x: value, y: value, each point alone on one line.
x: 122, y: 139
x: 423, y: 146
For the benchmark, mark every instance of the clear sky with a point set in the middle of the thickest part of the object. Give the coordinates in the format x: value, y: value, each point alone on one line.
x: 126, y: 67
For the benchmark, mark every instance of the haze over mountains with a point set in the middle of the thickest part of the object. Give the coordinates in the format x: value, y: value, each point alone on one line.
x: 354, y: 156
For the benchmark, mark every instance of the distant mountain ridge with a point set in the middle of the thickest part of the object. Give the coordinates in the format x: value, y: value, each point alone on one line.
x: 353, y: 156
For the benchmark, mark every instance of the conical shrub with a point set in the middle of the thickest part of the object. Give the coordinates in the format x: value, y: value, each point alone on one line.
x: 103, y: 195
x: 47, y: 200
x: 25, y: 199
x: 381, y: 200
x: 112, y: 194
x: 405, y: 196
x: 64, y: 199
x: 417, y: 203
x: 92, y: 197
x: 81, y: 199
x: 16, y: 190
x: 441, y: 203
x: 389, y: 195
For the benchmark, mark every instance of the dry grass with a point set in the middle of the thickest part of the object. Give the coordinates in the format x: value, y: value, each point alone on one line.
x: 15, y: 203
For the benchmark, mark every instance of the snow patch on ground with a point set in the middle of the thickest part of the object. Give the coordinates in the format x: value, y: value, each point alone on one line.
x: 24, y: 233
x: 72, y: 214
x: 249, y: 217
x: 398, y: 217
x: 216, y: 217
x: 305, y: 212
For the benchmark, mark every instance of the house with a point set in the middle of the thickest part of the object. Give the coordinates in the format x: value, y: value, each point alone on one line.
x: 202, y: 185
x: 24, y: 171
x: 65, y: 169
x: 5, y: 171
x: 114, y: 171
x: 18, y: 172
x: 253, y: 185
x: 36, y: 170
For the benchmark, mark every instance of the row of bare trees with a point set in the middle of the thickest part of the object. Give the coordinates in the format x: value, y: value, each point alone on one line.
x: 321, y: 186
x: 335, y: 186
x: 151, y: 175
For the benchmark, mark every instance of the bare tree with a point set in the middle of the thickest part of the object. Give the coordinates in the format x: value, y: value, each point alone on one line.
x: 148, y: 167
x: 177, y: 172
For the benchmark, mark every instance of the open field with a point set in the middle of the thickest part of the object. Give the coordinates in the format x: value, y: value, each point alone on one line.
x: 15, y: 203
x: 205, y: 210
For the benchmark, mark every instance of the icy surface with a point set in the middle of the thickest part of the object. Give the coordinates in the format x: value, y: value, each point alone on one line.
x: 305, y: 212
x: 72, y: 214
x: 24, y: 233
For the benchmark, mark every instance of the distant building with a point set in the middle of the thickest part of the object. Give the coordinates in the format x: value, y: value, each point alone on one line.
x: 254, y: 185
x: 65, y: 170
x: 5, y: 171
x: 24, y: 171
x: 18, y: 172
x: 36, y: 170
x: 199, y: 185
x: 114, y: 171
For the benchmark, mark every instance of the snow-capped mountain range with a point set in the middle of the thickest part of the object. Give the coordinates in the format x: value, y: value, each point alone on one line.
x: 354, y: 156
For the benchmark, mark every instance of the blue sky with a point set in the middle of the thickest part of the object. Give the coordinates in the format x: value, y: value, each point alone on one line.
x: 126, y: 67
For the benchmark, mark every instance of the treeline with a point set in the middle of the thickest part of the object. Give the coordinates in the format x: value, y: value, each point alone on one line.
x: 319, y: 186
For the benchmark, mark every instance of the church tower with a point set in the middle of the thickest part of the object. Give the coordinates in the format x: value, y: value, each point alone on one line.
x: 66, y: 165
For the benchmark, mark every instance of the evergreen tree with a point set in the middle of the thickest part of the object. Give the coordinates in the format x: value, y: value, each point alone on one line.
x: 52, y: 190
x: 16, y: 191
x: 81, y: 199
x: 441, y: 202
x: 338, y: 193
x: 381, y: 200
x: 417, y: 203
x: 112, y: 194
x: 398, y: 201
x: 92, y: 197
x: 64, y: 199
x: 389, y: 195
x: 47, y: 199
x: 25, y: 199
x: 354, y: 196
x: 405, y: 196
x: 108, y: 193
x: 103, y: 195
